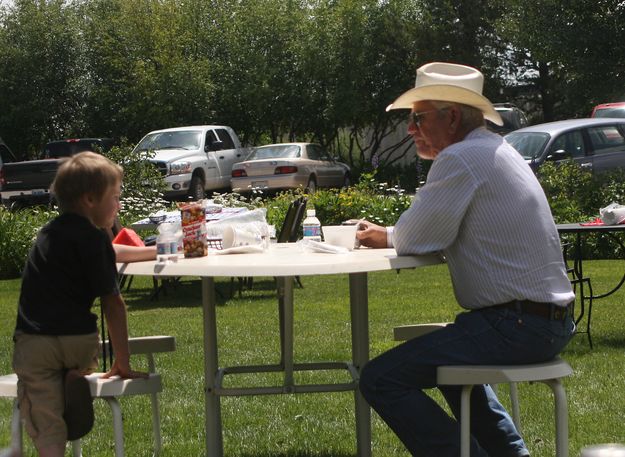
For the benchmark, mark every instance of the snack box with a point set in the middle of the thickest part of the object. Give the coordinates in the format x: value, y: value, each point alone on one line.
x: 193, y: 222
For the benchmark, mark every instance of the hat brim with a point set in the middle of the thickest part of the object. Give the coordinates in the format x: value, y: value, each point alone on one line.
x: 447, y: 93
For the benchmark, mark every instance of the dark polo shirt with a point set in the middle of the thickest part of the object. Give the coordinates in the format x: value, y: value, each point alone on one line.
x: 71, y: 263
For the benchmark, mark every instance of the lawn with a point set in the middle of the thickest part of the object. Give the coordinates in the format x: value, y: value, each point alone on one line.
x: 323, y: 424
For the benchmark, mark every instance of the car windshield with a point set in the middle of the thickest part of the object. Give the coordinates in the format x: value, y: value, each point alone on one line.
x: 529, y: 144
x: 289, y: 151
x: 610, y: 112
x: 187, y: 139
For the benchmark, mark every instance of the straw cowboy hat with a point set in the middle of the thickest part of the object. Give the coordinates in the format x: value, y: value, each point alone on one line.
x: 448, y: 82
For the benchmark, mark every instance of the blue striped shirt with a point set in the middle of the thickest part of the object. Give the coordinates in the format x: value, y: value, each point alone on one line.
x: 485, y: 210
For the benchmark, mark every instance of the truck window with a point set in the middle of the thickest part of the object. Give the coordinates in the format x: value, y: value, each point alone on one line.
x: 225, y: 138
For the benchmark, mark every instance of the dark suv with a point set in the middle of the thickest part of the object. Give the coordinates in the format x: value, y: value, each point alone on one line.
x: 513, y: 118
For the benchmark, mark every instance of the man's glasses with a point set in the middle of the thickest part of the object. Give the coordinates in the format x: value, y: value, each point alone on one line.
x: 417, y: 118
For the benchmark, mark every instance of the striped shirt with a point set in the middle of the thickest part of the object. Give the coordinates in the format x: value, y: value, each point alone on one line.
x: 485, y: 210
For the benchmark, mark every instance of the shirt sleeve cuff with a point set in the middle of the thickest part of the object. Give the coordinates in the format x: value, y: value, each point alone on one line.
x: 389, y: 237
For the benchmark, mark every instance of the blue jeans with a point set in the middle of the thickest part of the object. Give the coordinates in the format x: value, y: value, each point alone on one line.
x: 393, y: 382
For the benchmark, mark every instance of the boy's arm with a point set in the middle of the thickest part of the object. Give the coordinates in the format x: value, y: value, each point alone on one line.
x: 125, y: 254
x: 117, y: 323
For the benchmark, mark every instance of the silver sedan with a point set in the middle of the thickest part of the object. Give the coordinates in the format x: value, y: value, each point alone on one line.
x: 289, y: 166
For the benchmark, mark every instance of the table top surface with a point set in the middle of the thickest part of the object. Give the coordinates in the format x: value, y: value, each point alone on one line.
x: 577, y: 227
x: 285, y: 259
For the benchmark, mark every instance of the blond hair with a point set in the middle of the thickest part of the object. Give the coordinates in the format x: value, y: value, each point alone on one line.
x: 84, y: 173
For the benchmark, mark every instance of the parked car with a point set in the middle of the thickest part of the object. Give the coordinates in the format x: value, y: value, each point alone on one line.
x: 609, y: 110
x: 194, y: 159
x: 289, y: 166
x: 513, y: 118
x: 596, y: 144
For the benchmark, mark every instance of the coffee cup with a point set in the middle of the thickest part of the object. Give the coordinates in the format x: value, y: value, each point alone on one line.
x: 236, y: 237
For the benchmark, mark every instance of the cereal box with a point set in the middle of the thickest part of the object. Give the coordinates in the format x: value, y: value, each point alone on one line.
x: 193, y: 221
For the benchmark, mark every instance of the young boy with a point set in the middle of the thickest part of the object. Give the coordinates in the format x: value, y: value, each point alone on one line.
x: 56, y: 339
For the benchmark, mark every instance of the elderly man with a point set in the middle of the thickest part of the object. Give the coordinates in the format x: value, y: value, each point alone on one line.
x: 484, y: 209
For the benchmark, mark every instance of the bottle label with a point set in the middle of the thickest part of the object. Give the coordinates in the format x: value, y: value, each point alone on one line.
x: 312, y: 230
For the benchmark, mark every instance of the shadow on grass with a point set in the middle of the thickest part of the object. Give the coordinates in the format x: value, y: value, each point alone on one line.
x: 297, y: 454
x: 187, y: 293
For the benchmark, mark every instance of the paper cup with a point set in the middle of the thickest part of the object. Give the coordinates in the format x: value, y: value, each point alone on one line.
x: 340, y: 235
x: 235, y: 237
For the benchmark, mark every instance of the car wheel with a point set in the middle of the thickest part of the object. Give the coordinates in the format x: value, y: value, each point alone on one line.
x: 346, y: 181
x: 196, y: 188
x: 311, y: 187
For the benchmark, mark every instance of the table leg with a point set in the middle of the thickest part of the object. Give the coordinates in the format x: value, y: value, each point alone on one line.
x: 212, y: 405
x: 285, y: 286
x: 359, y: 308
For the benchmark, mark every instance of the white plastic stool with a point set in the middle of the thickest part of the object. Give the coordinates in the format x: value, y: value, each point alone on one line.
x: 109, y: 390
x: 548, y: 373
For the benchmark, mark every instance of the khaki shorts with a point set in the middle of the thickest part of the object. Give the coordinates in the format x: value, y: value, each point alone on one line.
x: 39, y: 362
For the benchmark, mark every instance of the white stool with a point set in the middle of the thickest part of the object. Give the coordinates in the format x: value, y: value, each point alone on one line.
x: 470, y: 375
x: 108, y: 390
x: 548, y: 373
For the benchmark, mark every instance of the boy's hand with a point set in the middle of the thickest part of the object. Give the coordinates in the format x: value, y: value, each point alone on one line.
x: 123, y: 372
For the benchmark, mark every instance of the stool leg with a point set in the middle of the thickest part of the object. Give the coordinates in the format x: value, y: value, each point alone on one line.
x: 118, y: 426
x: 562, y: 417
x: 514, y: 401
x: 76, y: 450
x: 16, y: 430
x: 156, y: 424
x: 465, y: 421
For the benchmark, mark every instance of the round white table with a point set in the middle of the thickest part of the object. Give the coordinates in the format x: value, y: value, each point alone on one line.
x: 284, y: 261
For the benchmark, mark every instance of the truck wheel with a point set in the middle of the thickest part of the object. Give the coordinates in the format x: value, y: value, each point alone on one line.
x: 311, y: 187
x: 196, y: 188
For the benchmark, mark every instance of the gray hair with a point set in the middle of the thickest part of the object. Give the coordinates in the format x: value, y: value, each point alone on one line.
x: 472, y: 117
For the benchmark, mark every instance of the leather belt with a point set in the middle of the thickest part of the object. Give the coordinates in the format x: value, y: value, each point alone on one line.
x: 546, y: 310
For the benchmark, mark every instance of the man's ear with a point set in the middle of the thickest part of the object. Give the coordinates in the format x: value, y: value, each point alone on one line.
x: 88, y: 199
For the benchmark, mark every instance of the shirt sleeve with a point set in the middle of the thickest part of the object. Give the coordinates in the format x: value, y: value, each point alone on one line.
x: 433, y: 220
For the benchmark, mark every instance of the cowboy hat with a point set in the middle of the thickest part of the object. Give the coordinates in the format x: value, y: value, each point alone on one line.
x: 448, y: 82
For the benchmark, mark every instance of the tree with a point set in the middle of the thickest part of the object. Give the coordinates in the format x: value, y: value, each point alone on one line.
x: 42, y: 74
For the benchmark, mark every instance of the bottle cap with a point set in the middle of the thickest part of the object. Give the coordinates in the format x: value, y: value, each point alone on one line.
x: 310, y: 212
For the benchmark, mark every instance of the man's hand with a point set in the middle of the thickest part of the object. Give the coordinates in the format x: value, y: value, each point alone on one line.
x: 371, y: 235
x: 122, y: 371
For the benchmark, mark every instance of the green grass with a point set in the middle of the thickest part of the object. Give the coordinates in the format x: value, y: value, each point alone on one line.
x: 323, y: 424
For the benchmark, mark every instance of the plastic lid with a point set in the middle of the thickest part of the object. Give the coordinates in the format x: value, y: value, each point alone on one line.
x: 310, y: 212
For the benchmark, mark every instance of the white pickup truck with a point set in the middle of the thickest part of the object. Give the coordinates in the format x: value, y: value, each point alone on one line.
x: 194, y: 159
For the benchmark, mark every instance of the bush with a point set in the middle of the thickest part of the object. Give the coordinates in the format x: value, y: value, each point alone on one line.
x: 576, y: 195
x: 142, y: 192
x: 17, y: 233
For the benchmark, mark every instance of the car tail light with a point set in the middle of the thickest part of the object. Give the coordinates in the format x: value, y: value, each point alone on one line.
x: 239, y: 173
x: 285, y: 169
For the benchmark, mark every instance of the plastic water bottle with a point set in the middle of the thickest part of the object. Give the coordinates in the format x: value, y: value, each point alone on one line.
x: 312, y: 226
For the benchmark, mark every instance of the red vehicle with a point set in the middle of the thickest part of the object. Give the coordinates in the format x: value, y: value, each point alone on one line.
x: 609, y: 110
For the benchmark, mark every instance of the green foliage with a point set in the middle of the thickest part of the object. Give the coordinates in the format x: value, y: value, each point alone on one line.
x: 142, y: 185
x: 18, y: 231
x: 369, y: 200
x: 575, y: 195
